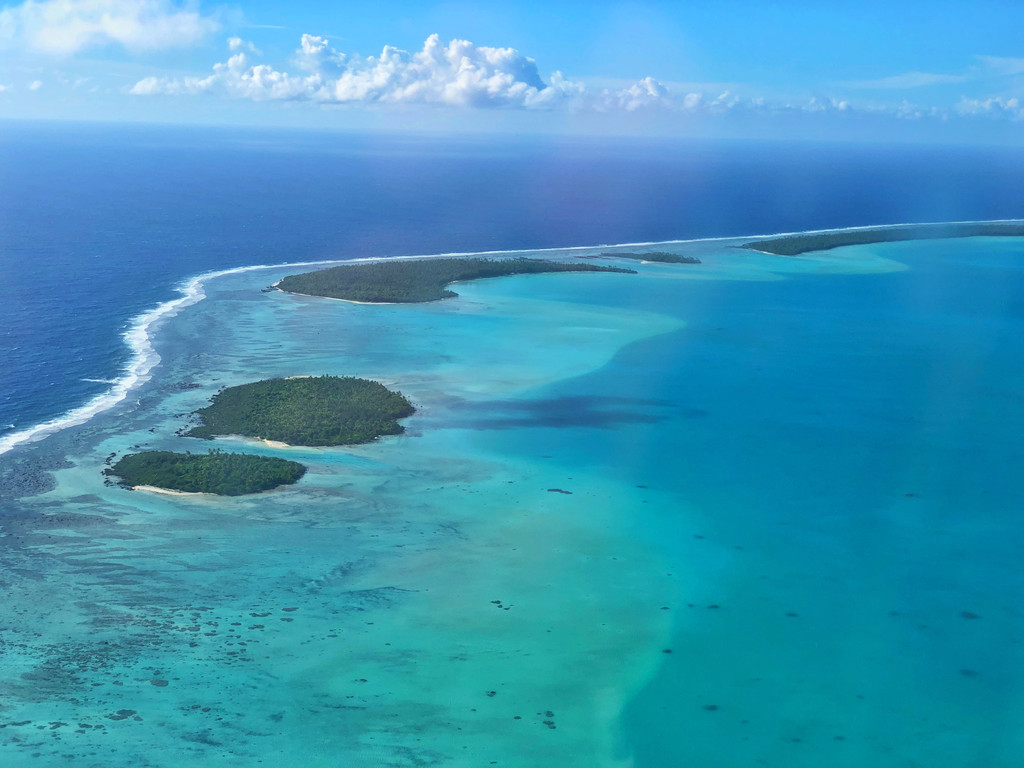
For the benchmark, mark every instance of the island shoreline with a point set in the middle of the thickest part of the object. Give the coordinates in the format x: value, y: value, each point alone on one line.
x: 420, y: 281
x: 797, y: 244
x: 143, y: 358
x: 171, y: 492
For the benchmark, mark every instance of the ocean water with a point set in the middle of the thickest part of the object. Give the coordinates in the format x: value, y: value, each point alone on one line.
x: 756, y: 511
x: 99, y: 223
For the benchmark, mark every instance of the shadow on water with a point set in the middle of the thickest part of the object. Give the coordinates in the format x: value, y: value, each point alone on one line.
x: 596, y: 411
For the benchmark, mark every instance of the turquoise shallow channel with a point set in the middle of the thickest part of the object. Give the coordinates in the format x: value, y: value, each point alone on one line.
x: 757, y: 511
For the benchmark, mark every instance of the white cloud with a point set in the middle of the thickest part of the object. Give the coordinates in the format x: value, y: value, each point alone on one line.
x: 238, y: 44
x: 826, y: 104
x: 316, y: 55
x: 458, y: 73
x: 149, y: 86
x: 995, y: 106
x: 906, y: 80
x: 35, y: 85
x: 2, y: 87
x: 692, y: 100
x: 64, y: 27
x: 461, y: 74
x: 642, y: 94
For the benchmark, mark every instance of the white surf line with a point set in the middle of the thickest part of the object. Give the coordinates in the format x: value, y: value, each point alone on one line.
x: 145, y: 358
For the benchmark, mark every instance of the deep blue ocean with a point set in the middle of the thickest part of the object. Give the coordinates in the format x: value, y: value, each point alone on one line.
x: 99, y: 222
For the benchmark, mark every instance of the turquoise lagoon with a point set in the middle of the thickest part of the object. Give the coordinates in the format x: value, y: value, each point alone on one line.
x: 759, y: 511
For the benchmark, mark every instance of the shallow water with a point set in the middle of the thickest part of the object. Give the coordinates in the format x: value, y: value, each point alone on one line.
x: 794, y: 475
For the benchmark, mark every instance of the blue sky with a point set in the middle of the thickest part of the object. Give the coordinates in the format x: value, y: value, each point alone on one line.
x: 935, y: 71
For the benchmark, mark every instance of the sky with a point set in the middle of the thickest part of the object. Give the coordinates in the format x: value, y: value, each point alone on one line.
x: 899, y: 71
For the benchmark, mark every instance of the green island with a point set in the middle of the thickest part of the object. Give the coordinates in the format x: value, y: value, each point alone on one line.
x: 320, y: 410
x: 417, y: 280
x: 225, y: 474
x: 794, y: 245
x: 663, y: 257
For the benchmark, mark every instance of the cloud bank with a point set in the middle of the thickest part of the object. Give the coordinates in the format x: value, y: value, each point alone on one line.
x: 64, y: 27
x: 461, y: 74
x: 458, y: 73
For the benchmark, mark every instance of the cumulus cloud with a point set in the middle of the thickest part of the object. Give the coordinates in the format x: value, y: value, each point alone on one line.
x: 826, y: 104
x: 316, y: 55
x: 642, y: 94
x: 35, y: 85
x: 995, y: 106
x: 238, y: 44
x: 65, y: 27
x: 457, y: 73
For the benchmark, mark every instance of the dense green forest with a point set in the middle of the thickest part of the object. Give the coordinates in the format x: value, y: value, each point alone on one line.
x: 793, y: 245
x: 419, y: 279
x: 662, y: 256
x: 322, y: 410
x: 226, y: 474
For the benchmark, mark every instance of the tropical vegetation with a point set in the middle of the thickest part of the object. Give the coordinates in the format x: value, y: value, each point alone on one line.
x: 226, y: 474
x: 794, y: 245
x: 660, y: 256
x: 417, y: 280
x: 321, y: 410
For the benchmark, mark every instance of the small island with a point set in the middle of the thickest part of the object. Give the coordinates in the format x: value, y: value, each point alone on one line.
x: 663, y: 257
x: 400, y: 281
x: 321, y: 410
x: 224, y: 474
x: 794, y: 245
